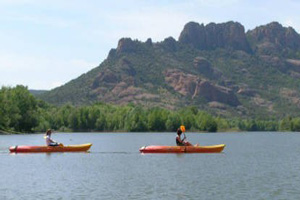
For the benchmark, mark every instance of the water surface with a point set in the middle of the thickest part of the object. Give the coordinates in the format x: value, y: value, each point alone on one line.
x: 253, y: 166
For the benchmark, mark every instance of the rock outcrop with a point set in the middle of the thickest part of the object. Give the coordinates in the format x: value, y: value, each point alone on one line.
x: 126, y: 45
x: 294, y: 64
x: 106, y: 77
x: 127, y: 67
x: 230, y: 35
x: 273, y: 38
x: 169, y: 44
x: 217, y: 93
x: 203, y: 66
x: 247, y: 92
x: 192, y: 86
x: 291, y: 95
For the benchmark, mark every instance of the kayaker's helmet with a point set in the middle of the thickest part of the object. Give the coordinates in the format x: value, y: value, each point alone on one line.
x: 179, y: 131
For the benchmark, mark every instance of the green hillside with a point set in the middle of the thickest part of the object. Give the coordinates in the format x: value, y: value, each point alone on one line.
x: 216, y: 67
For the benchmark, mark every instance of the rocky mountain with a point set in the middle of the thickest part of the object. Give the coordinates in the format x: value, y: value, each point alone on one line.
x: 230, y: 35
x: 215, y: 67
x: 273, y: 39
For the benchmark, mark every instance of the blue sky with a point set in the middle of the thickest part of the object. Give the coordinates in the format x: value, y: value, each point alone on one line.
x: 44, y: 44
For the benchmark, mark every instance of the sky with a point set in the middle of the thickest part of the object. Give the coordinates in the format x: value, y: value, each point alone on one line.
x: 45, y: 44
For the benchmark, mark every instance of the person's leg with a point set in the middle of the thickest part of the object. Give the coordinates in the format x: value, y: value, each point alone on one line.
x: 53, y: 144
x: 187, y: 143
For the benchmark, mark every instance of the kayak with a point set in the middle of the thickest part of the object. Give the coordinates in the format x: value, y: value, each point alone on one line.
x: 45, y: 149
x: 182, y: 149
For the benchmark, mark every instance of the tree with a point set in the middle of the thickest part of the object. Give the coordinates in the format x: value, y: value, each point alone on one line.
x: 4, y: 119
x: 18, y: 109
x: 296, y: 124
x: 74, y: 120
x: 286, y: 124
x: 173, y: 122
x: 136, y: 120
x: 156, y: 120
x: 206, y: 122
x: 100, y: 122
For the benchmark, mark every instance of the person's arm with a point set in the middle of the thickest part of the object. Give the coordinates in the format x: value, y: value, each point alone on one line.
x: 52, y: 140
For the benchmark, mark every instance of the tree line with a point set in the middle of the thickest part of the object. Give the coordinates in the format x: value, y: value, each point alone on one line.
x: 21, y: 112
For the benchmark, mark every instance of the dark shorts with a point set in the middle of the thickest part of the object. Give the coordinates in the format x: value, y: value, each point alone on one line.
x: 53, y: 144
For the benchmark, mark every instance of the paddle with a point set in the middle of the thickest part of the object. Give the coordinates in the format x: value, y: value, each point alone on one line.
x: 182, y: 128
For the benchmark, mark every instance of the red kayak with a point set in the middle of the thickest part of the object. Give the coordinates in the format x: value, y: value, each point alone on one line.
x: 46, y: 149
x: 182, y: 149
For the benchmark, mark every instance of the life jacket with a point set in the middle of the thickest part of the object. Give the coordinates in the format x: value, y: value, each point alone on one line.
x: 178, y: 142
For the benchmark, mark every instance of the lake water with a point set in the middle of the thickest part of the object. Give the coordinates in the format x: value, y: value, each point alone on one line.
x: 252, y: 166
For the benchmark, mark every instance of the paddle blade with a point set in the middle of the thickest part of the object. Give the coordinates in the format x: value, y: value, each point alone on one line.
x: 182, y: 128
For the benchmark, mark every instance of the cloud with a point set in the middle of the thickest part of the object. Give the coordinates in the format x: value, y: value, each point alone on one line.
x: 38, y: 16
x: 80, y: 63
x: 40, y: 72
x: 144, y: 23
x: 42, y: 19
x: 56, y: 84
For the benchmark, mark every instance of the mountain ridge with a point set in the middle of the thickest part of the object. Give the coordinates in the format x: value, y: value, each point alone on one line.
x: 217, y: 67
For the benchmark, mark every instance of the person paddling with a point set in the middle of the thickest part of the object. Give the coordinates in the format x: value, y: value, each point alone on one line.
x: 179, y: 141
x: 49, y: 141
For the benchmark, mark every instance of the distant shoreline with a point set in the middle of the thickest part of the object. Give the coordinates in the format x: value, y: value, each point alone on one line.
x: 122, y: 132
